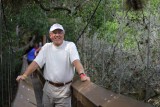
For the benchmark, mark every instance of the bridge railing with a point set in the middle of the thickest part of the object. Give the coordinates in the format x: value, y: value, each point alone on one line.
x: 25, y: 96
x: 88, y: 94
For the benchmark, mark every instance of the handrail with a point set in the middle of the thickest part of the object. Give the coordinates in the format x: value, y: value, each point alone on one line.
x: 25, y: 95
x: 88, y: 94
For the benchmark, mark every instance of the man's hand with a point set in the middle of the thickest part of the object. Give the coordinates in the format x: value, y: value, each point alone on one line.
x: 31, y: 68
x: 21, y: 77
x: 80, y: 70
x: 84, y: 77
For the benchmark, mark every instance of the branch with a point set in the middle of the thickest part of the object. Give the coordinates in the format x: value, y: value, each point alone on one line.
x: 53, y: 8
x: 88, y: 21
x: 26, y: 46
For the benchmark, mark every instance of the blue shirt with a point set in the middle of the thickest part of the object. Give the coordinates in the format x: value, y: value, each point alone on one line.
x: 31, y: 55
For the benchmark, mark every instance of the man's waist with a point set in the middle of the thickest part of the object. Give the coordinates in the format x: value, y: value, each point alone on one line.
x: 58, y: 84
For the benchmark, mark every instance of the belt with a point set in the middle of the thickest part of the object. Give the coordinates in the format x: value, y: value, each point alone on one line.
x: 58, y: 84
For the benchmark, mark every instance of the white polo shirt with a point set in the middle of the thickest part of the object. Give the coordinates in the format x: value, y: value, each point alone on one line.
x: 58, y: 61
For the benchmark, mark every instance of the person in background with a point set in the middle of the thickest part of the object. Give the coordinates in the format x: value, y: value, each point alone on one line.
x: 60, y: 58
x: 31, y: 54
x: 38, y: 49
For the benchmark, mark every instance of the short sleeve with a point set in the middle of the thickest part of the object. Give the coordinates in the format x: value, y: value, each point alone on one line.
x: 73, y: 52
x: 40, y: 58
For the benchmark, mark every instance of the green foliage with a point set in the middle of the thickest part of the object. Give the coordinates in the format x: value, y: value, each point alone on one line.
x: 129, y: 42
x: 154, y: 4
x: 108, y: 31
x: 32, y: 19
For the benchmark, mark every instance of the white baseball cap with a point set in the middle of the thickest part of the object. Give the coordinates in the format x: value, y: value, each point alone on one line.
x: 56, y: 26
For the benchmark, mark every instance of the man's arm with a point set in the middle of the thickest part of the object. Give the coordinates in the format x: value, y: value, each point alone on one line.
x: 79, y: 68
x: 31, y: 68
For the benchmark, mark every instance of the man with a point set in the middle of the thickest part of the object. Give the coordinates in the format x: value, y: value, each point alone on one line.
x: 59, y: 57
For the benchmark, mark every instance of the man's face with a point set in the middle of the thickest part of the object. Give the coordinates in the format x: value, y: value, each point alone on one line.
x: 57, y: 37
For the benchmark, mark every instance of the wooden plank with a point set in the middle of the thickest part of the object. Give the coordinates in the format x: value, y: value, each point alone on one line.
x: 91, y: 95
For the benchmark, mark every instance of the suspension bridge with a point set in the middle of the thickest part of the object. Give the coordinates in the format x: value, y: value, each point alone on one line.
x: 84, y: 94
